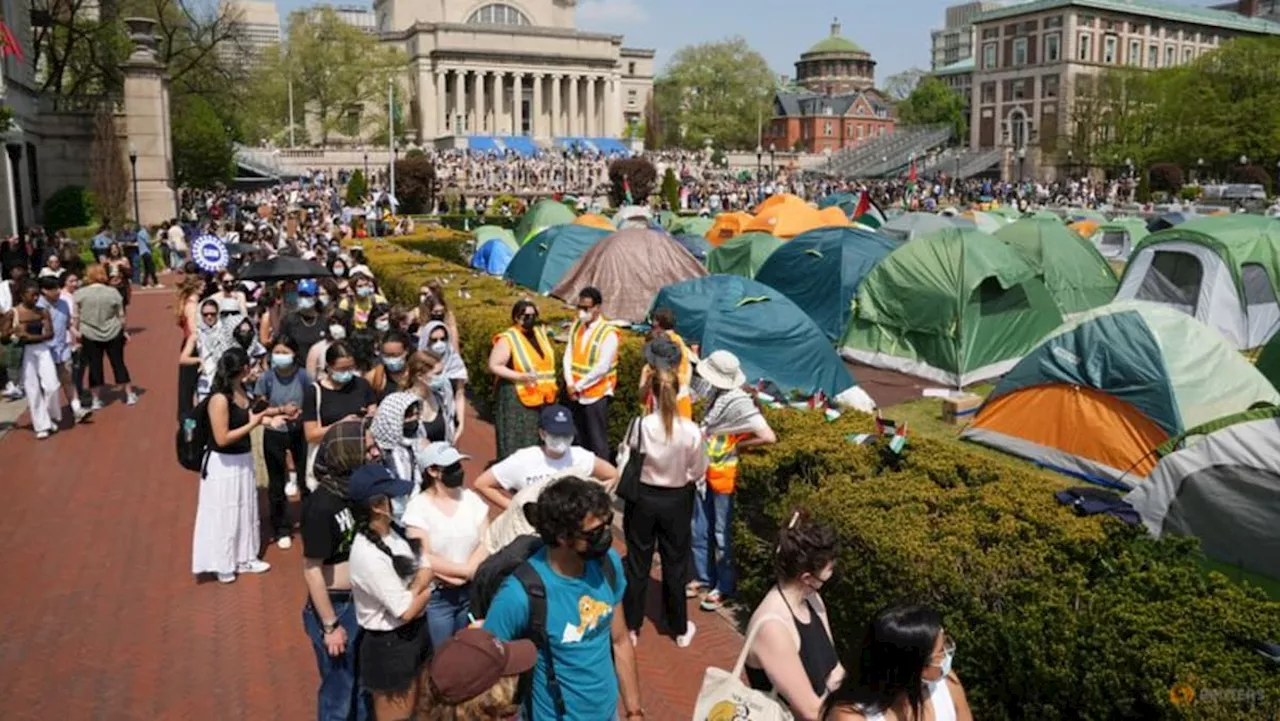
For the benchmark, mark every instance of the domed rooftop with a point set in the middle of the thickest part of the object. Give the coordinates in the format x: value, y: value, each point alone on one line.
x: 835, y: 43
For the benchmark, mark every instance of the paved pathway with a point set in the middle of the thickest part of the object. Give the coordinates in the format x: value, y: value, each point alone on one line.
x: 102, y: 619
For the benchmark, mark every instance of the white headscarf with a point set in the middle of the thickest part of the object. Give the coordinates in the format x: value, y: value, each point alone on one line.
x: 453, y: 368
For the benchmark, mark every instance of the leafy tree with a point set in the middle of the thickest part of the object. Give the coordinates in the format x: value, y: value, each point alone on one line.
x: 638, y: 174
x: 109, y: 178
x: 671, y: 189
x: 1165, y: 177
x: 203, y: 155
x: 717, y: 90
x: 70, y: 206
x: 932, y: 103
x: 652, y: 124
x: 415, y: 178
x: 378, y: 123
x: 356, y: 189
x: 1251, y: 174
x: 900, y: 86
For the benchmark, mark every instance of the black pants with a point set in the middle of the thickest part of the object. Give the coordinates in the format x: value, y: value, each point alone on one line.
x: 592, y: 423
x: 661, y: 517
x: 114, y: 351
x: 275, y: 444
x: 149, y: 271
x: 188, y: 379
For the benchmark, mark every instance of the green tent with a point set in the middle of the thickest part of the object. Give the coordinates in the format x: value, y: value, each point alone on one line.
x: 543, y: 261
x: 819, y: 270
x: 543, y: 215
x: 486, y: 233
x: 1076, y: 274
x: 742, y: 255
x: 1117, y: 238
x: 1045, y: 215
x: 1269, y: 360
x: 667, y: 220
x: 1078, y: 214
x: 696, y: 225
x: 954, y: 306
x: 1008, y: 212
x: 1222, y: 270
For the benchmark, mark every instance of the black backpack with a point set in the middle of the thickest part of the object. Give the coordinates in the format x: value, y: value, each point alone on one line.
x: 513, y: 560
x: 194, y: 437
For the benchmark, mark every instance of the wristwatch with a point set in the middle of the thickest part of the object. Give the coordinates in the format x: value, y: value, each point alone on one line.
x: 331, y: 627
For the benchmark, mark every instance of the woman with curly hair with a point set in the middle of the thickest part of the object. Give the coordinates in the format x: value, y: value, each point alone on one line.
x: 475, y: 677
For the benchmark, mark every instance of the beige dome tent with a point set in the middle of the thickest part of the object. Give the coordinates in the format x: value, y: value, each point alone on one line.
x: 629, y: 267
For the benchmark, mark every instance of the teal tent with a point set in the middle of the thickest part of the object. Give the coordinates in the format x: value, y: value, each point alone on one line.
x: 848, y: 202
x: 742, y: 255
x: 544, y: 260
x: 542, y: 215
x: 773, y: 339
x: 819, y: 270
x: 486, y: 233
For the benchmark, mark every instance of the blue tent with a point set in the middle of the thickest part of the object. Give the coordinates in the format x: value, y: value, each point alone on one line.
x: 773, y: 339
x: 697, y: 245
x: 819, y: 270
x: 543, y: 261
x: 493, y: 257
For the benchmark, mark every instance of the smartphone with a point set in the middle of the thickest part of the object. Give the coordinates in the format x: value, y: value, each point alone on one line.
x: 260, y: 404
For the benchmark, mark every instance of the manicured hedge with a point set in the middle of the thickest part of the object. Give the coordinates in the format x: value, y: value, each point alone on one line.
x: 448, y: 245
x: 1055, y: 616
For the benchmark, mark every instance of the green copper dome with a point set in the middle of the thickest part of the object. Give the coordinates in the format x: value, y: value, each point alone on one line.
x: 835, y: 43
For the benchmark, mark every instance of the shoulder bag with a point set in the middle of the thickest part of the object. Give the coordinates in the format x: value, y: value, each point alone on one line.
x: 631, y: 460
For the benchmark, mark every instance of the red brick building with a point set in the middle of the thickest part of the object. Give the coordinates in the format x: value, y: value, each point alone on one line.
x: 833, y: 103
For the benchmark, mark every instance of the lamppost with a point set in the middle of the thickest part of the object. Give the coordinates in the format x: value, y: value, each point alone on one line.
x: 827, y: 152
x: 773, y: 168
x: 366, y: 169
x: 1022, y: 162
x: 1071, y: 163
x: 1132, y: 190
x: 133, y: 167
x: 1199, y: 170
x: 1244, y: 160
x: 759, y: 168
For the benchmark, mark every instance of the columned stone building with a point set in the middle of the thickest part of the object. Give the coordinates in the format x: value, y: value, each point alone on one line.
x: 513, y: 69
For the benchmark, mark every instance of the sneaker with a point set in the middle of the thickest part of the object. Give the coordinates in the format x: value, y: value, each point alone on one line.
x: 291, y: 488
x: 131, y: 399
x: 284, y: 543
x: 42, y: 435
x: 226, y: 578
x: 12, y: 391
x: 712, y: 602
x: 254, y: 566
x: 686, y: 638
x: 97, y: 405
x: 694, y: 589
x: 82, y: 414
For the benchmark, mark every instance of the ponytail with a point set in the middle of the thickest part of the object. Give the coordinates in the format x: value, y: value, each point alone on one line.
x: 404, y: 566
x: 664, y: 392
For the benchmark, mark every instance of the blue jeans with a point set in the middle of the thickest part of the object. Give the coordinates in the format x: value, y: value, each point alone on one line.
x: 447, y: 613
x: 340, y: 697
x: 712, y: 518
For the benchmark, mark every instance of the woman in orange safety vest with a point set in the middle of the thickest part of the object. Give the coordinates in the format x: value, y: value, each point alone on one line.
x: 523, y: 363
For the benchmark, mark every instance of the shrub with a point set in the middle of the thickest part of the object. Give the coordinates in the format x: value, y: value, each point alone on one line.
x: 1251, y: 174
x: 513, y: 205
x: 446, y: 244
x: 1165, y: 177
x: 671, y: 189
x: 1190, y: 192
x: 415, y: 153
x: 69, y: 207
x: 1055, y: 616
x: 356, y: 189
x: 415, y: 184
x: 638, y: 173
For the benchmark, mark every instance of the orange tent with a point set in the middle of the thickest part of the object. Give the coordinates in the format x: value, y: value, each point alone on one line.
x: 787, y: 220
x: 834, y: 217
x: 727, y: 225
x: 1084, y: 228
x: 784, y: 199
x: 591, y: 220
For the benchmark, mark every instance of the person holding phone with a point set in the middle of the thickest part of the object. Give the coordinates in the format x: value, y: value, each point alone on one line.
x: 342, y: 394
x: 284, y: 386
x: 226, y: 530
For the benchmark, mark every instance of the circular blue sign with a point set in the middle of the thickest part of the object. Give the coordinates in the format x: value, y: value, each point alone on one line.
x: 210, y: 253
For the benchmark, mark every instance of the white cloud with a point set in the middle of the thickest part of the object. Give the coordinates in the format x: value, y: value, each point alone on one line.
x: 610, y: 13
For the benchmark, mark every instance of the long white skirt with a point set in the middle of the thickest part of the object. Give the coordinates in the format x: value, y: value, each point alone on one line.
x: 40, y: 381
x: 227, y: 532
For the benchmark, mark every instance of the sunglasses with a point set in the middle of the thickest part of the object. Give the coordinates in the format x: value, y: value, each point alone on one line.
x: 586, y: 307
x: 598, y: 531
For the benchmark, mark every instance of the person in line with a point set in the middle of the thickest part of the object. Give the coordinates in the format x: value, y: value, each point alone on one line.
x: 667, y: 350
x: 591, y: 372
x: 588, y: 643
x: 103, y: 334
x: 30, y: 325
x: 10, y: 296
x: 147, y: 275
x: 226, y: 528
x: 523, y: 361
x: 284, y: 386
x: 391, y: 373
x: 674, y: 460
x: 441, y: 341
x: 432, y: 307
x: 328, y: 530
x: 390, y: 589
x: 341, y: 394
x: 475, y: 677
x: 903, y: 672
x: 732, y: 423
x: 449, y: 520
x: 793, y: 652
x: 338, y: 329
x: 230, y: 299
x: 119, y: 272
x: 186, y: 311
x: 177, y: 244
x: 439, y: 413
x: 61, y: 345
x: 365, y: 299
x: 554, y: 456
x: 396, y: 427
x: 305, y: 323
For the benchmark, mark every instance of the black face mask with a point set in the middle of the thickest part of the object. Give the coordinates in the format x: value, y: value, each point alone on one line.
x: 437, y: 316
x: 599, y: 542
x: 528, y: 321
x: 411, y: 429
x: 244, y: 339
x: 453, y: 476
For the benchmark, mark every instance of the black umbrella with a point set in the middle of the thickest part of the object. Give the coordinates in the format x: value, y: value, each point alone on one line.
x: 236, y: 249
x: 284, y: 267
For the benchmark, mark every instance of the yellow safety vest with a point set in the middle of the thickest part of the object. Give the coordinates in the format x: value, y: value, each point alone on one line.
x: 525, y: 359
x: 722, y: 462
x: 584, y: 353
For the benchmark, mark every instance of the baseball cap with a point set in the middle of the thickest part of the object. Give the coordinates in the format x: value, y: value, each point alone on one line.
x: 373, y: 479
x: 442, y: 455
x: 474, y: 660
x: 662, y: 353
x: 556, y: 420
x: 308, y: 287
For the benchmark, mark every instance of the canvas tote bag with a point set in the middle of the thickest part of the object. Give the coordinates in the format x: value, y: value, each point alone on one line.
x: 724, y: 697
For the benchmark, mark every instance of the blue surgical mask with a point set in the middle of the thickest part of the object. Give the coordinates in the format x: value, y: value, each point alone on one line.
x: 342, y: 377
x: 281, y: 360
x: 439, y: 382
x: 364, y: 291
x: 393, y: 363
x: 291, y: 298
x: 382, y: 324
x: 306, y: 302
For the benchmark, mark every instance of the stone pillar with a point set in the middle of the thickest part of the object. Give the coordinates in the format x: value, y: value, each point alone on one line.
x: 557, y: 122
x: 606, y: 115
x: 536, y: 126
x: 481, y: 113
x: 619, y: 118
x: 575, y: 123
x: 517, y: 100
x: 146, y: 111
x: 461, y: 115
x: 428, y: 102
x: 589, y: 127
x: 441, y: 89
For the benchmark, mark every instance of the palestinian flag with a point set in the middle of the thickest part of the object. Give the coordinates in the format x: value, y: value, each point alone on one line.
x: 867, y: 213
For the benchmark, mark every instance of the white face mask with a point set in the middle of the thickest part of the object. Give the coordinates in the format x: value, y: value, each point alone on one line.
x: 438, y: 347
x: 559, y: 444
x: 382, y: 325
x: 337, y: 332
x: 584, y: 316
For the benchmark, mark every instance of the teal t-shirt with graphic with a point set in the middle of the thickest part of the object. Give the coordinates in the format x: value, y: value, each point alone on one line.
x: 579, y: 617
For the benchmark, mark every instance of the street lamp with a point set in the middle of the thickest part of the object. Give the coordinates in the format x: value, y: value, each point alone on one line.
x: 133, y: 166
x: 1199, y: 170
x: 1244, y: 160
x: 773, y: 168
x: 1071, y: 163
x: 366, y: 169
x: 759, y: 162
x: 1022, y: 162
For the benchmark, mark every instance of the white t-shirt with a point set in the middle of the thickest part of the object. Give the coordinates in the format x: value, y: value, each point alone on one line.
x: 452, y: 537
x: 530, y: 466
x: 380, y: 595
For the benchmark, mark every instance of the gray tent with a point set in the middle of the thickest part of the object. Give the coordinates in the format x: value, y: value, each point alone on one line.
x: 1225, y: 491
x: 910, y: 225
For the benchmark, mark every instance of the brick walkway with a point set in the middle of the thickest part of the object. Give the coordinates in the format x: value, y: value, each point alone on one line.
x: 103, y: 620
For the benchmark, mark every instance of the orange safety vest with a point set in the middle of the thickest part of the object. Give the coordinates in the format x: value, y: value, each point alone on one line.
x: 584, y: 353
x: 525, y: 359
x: 684, y: 376
x: 722, y: 461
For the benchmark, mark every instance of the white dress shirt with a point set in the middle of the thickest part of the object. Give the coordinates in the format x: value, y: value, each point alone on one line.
x: 608, y: 352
